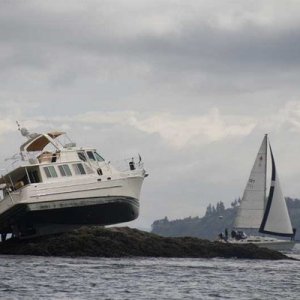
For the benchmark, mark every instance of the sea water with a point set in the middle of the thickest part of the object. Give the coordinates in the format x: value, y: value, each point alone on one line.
x: 31, y: 277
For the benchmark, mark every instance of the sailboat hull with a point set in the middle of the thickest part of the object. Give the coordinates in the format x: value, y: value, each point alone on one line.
x: 266, y: 242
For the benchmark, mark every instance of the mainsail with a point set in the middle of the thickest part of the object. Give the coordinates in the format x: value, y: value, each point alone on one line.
x: 276, y: 218
x: 251, y: 209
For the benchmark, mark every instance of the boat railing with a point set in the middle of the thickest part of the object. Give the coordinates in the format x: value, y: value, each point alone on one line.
x: 19, y: 160
x: 129, y: 164
x: 10, y: 163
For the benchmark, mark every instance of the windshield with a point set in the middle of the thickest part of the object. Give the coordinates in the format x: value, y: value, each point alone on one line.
x: 81, y: 156
x: 98, y: 157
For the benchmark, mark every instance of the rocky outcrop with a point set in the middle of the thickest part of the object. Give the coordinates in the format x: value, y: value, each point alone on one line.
x: 127, y: 242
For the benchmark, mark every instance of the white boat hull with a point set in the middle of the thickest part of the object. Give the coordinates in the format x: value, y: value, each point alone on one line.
x: 266, y: 242
x: 85, y: 203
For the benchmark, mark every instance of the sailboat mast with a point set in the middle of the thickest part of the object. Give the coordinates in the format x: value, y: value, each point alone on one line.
x: 265, y: 177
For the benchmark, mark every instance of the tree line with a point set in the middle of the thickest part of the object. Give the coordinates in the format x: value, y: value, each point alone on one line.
x: 217, y: 217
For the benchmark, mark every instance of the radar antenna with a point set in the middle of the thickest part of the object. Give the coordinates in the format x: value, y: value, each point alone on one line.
x: 19, y: 126
x: 24, y: 131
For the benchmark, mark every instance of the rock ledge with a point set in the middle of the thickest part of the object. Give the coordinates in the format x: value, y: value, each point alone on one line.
x: 127, y: 242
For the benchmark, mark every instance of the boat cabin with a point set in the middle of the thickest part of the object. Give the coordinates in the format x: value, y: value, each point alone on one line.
x: 45, y: 157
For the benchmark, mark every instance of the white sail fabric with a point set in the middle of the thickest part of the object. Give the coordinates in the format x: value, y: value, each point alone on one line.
x: 276, y: 220
x: 251, y: 209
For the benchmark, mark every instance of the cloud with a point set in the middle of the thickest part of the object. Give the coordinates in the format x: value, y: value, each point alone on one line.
x: 193, y: 130
x: 178, y: 131
x: 286, y: 118
x: 129, y: 54
x: 290, y: 115
x: 191, y: 85
x: 212, y: 37
x: 6, y: 125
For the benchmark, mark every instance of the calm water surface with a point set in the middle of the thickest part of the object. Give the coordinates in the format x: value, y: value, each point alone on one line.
x: 30, y: 277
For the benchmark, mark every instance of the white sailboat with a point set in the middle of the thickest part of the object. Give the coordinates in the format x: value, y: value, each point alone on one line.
x: 269, y: 215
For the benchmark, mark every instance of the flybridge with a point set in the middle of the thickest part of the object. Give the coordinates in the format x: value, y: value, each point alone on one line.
x: 33, y: 151
x: 39, y: 141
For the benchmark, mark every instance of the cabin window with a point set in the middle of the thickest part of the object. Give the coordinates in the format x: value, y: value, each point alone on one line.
x: 88, y: 169
x: 98, y: 157
x: 33, y: 176
x: 91, y: 155
x: 79, y: 169
x: 81, y: 156
x: 64, y: 170
x: 50, y: 172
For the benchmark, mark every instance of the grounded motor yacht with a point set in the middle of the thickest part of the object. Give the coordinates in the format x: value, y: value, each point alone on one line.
x: 53, y: 186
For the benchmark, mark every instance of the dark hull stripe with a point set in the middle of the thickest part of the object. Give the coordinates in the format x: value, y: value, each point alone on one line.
x: 277, y: 233
x: 110, y: 212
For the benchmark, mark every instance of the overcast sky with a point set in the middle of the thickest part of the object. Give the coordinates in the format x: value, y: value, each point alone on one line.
x: 190, y: 85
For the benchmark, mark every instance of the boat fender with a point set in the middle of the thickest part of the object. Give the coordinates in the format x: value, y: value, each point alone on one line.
x: 99, y: 171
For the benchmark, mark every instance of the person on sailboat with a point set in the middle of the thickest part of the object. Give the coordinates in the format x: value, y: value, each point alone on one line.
x: 240, y: 235
x: 226, y: 234
x: 233, y: 234
x: 221, y: 236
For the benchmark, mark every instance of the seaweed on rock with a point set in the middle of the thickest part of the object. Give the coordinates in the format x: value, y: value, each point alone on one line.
x: 98, y: 241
